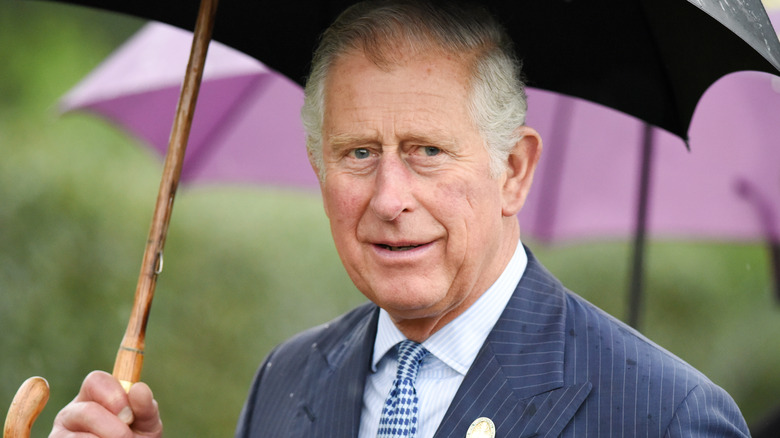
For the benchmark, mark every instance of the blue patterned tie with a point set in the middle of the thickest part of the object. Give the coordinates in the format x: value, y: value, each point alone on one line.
x: 399, y: 414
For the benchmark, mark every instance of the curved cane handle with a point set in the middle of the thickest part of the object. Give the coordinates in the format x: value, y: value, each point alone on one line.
x: 25, y: 408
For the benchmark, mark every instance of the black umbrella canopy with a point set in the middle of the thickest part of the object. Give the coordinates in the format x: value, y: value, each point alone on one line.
x: 652, y: 59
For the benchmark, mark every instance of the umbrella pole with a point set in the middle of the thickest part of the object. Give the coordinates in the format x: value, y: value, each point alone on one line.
x: 129, y: 359
x: 640, y: 233
x: 31, y: 397
x: 774, y: 267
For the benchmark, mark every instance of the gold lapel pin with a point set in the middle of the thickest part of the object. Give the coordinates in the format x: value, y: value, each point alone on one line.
x: 482, y: 427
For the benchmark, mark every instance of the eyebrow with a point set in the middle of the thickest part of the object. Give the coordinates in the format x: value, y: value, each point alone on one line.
x: 345, y: 141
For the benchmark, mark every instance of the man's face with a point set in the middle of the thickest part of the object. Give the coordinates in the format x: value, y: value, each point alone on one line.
x: 416, y: 217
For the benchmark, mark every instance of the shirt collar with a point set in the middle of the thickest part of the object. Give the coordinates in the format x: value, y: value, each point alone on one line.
x: 457, y: 343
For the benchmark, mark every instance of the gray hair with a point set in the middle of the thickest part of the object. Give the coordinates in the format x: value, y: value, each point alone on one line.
x: 385, y: 30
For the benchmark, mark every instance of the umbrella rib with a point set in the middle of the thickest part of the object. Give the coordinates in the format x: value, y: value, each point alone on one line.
x: 668, y: 84
x: 199, y: 157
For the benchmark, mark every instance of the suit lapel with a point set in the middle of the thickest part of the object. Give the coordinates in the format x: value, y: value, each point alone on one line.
x: 517, y: 379
x: 336, y: 375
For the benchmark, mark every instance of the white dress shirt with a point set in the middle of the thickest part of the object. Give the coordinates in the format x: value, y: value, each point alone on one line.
x: 452, y: 351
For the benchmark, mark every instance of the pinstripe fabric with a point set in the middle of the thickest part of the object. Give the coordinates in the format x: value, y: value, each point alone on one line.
x: 553, y: 365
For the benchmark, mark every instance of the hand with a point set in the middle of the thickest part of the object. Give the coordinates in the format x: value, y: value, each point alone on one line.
x: 103, y: 409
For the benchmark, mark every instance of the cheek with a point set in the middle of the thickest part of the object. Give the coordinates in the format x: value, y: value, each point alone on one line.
x: 468, y: 199
x: 343, y: 204
x: 471, y: 213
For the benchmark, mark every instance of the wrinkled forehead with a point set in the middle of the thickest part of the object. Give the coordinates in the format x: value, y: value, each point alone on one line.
x: 388, y: 51
x: 428, y: 91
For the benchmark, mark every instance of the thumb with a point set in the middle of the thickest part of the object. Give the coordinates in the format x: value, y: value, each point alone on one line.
x: 147, y: 415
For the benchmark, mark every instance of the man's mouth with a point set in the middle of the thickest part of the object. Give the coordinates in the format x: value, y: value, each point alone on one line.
x: 398, y: 248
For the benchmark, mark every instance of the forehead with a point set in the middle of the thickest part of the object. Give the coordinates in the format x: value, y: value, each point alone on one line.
x: 424, y: 62
x: 418, y: 87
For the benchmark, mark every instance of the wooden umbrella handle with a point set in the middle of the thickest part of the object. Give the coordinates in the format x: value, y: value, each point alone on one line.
x: 25, y: 408
x: 32, y: 396
x: 129, y: 359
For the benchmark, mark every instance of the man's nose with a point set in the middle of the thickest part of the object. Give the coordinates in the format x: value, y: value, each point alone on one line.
x: 392, y: 189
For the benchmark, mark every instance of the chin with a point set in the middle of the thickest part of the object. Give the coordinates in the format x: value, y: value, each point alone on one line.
x: 413, y: 306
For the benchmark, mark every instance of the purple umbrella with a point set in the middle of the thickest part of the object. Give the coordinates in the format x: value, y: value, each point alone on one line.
x: 727, y: 187
x: 246, y: 127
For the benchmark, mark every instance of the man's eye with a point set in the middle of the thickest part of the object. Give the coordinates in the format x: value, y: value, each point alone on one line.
x: 431, y: 151
x: 361, y: 153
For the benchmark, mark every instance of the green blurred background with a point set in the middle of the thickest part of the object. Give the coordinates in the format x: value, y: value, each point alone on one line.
x: 246, y: 267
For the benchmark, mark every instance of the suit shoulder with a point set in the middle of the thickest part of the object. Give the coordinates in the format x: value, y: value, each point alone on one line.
x: 659, y: 389
x: 606, y: 334
x: 284, y: 371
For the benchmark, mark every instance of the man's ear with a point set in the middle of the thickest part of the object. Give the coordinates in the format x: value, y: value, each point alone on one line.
x: 521, y: 164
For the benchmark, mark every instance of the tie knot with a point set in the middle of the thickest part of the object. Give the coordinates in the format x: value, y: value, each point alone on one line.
x: 410, y: 354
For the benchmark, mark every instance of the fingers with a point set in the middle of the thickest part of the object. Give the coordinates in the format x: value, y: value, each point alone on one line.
x: 144, y: 406
x: 95, y: 410
x: 89, y: 419
x: 104, y: 389
x: 103, y: 409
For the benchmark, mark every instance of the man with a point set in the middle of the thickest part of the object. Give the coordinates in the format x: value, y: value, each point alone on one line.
x: 415, y: 121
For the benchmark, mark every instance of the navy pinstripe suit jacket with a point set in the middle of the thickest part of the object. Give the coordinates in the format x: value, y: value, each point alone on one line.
x: 554, y: 365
